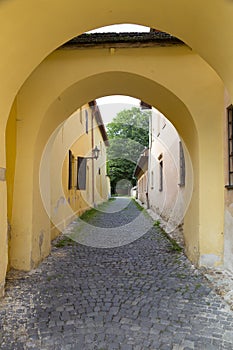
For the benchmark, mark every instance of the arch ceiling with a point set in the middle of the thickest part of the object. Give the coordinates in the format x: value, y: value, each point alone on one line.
x: 32, y: 32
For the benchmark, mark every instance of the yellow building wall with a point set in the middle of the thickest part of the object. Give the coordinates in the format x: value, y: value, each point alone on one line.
x: 100, y: 174
x: 66, y: 204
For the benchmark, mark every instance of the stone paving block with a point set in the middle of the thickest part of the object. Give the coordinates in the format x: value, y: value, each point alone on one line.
x: 139, y: 296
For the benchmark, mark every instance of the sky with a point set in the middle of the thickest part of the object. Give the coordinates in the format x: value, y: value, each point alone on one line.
x: 120, y: 28
x: 111, y: 105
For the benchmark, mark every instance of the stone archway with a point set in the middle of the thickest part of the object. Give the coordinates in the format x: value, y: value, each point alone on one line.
x: 58, y: 35
x: 73, y: 97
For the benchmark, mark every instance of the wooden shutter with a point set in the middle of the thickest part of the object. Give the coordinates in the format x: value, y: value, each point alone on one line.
x: 182, y: 166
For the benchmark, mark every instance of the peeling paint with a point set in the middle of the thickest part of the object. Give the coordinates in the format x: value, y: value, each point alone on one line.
x: 8, y: 230
x: 2, y: 174
x: 2, y: 289
x: 41, y: 239
x: 61, y: 201
x: 209, y: 260
x: 228, y: 240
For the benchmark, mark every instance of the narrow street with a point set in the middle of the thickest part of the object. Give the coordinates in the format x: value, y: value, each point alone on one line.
x: 136, y: 296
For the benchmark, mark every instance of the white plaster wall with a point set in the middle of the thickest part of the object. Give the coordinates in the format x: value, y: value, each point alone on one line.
x: 172, y: 201
x: 142, y: 188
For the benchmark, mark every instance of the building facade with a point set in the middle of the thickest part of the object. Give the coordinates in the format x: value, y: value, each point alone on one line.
x: 164, y: 173
x: 83, y: 182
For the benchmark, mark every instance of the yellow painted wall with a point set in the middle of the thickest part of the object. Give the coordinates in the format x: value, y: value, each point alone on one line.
x: 100, y: 174
x: 65, y: 203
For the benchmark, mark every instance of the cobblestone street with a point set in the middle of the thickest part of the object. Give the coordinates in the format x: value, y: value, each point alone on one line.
x: 138, y: 296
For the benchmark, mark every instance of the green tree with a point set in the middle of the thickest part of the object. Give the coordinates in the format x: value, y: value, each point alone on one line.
x: 128, y: 135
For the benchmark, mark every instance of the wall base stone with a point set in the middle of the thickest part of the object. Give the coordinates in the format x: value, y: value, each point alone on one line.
x: 209, y: 260
x: 2, y: 289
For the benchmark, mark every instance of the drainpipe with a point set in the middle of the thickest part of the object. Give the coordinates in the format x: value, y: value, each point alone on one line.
x: 149, y: 163
x: 92, y: 160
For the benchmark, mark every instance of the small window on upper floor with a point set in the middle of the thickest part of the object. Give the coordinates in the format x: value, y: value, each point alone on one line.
x: 160, y: 159
x: 152, y: 180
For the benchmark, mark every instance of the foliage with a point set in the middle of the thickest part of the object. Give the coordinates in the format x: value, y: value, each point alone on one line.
x: 63, y: 242
x: 129, y: 136
x: 174, y: 245
x: 130, y: 124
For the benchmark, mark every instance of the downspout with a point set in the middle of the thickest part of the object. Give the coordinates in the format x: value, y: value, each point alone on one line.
x: 149, y: 163
x: 92, y: 160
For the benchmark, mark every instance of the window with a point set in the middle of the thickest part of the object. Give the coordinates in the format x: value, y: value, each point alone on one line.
x: 160, y: 172
x: 81, y: 173
x: 230, y: 146
x: 182, y: 165
x: 152, y: 180
x: 86, y: 119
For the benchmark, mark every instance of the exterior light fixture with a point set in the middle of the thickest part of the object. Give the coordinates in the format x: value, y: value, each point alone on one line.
x: 95, y: 153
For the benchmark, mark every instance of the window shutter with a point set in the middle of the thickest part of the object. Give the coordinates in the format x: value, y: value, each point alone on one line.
x: 182, y: 166
x: 81, y: 173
